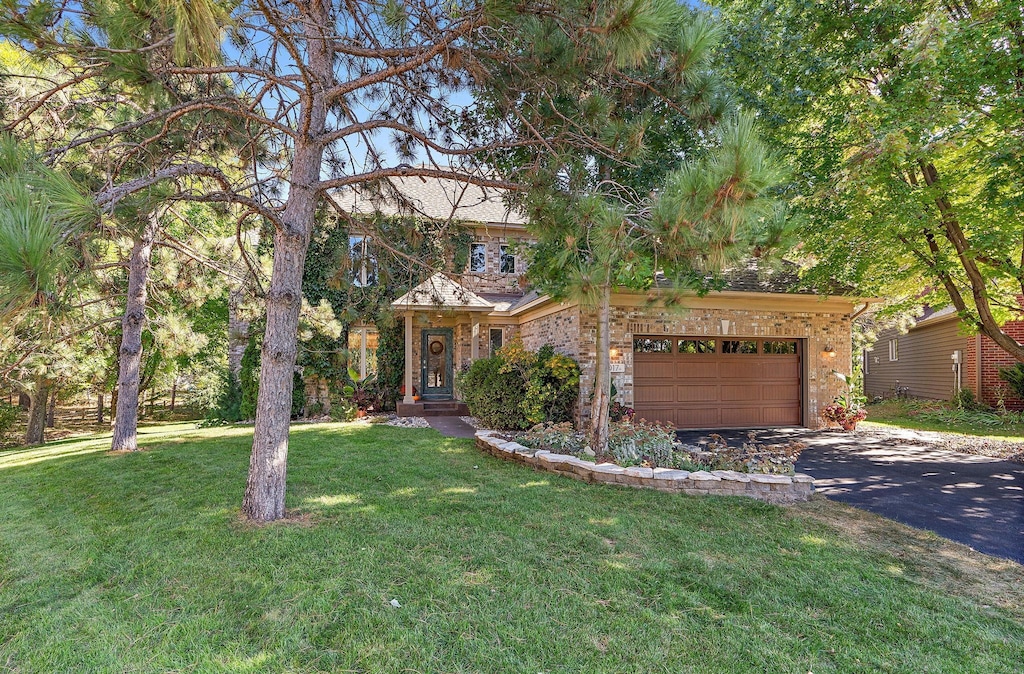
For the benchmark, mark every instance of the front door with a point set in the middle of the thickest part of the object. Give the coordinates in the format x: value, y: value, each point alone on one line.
x: 436, y: 364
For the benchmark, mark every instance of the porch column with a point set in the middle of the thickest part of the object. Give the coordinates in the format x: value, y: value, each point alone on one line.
x: 408, y: 400
x: 474, y: 347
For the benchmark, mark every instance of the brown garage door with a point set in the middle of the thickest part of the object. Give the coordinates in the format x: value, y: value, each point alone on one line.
x: 698, y: 382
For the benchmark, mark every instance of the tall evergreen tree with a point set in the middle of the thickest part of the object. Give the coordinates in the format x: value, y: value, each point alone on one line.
x: 671, y: 182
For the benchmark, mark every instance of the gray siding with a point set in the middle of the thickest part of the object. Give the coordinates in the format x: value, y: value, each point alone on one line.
x: 924, y: 363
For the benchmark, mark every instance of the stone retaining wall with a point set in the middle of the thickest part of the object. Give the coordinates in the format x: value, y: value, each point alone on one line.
x: 770, y: 488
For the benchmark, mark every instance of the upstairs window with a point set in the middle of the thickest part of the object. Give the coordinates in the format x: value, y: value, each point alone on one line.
x: 508, y: 260
x: 364, y: 264
x: 478, y: 257
x: 894, y: 349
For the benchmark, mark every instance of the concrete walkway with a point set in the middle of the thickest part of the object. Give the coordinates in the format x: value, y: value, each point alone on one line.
x: 451, y: 427
x: 974, y: 500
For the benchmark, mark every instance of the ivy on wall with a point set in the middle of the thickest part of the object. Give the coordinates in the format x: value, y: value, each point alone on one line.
x: 404, y: 251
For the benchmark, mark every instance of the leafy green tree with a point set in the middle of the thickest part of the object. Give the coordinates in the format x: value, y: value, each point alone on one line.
x: 903, y: 122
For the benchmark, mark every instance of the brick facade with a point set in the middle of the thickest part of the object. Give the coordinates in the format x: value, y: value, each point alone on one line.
x: 990, y: 388
x: 573, y: 331
x: 491, y: 280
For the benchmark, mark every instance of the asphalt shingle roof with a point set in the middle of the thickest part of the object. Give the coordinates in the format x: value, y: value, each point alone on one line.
x: 435, y: 198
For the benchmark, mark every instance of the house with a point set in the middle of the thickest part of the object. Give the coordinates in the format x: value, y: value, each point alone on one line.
x: 757, y: 353
x: 937, y: 357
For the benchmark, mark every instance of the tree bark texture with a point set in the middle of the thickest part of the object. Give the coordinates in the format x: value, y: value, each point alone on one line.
x: 264, y: 498
x: 602, y: 375
x: 51, y: 411
x: 126, y: 416
x: 36, y: 431
x: 99, y: 407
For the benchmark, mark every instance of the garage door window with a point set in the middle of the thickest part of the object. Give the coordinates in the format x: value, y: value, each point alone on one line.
x: 696, y: 346
x: 780, y: 348
x: 649, y: 345
x: 734, y: 346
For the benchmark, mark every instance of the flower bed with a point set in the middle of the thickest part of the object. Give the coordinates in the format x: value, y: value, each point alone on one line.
x: 772, y: 488
x: 652, y: 445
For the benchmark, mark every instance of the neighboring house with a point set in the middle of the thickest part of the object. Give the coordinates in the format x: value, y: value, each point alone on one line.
x: 935, y: 358
x: 757, y: 353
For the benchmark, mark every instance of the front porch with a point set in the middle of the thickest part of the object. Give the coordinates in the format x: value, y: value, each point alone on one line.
x: 444, y: 327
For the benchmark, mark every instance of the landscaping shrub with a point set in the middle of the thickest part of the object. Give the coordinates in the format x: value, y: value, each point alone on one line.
x: 227, y: 408
x: 249, y: 377
x: 8, y: 418
x: 516, y: 388
x: 1014, y: 376
x: 964, y: 399
x: 641, y: 442
x: 494, y: 395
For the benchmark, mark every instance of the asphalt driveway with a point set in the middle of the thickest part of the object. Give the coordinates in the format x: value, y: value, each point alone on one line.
x: 975, y: 500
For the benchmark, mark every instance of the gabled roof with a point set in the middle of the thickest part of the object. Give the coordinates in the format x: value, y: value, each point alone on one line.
x: 440, y: 292
x: 435, y: 198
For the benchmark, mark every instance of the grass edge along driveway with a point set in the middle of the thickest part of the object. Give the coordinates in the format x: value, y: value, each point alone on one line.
x: 139, y: 563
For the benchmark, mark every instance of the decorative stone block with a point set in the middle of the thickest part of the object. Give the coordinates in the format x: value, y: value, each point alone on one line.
x: 731, y: 475
x: 771, y: 479
x: 704, y: 476
x: 639, y: 471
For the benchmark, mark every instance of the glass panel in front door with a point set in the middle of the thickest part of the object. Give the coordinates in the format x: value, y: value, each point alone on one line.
x: 437, y: 360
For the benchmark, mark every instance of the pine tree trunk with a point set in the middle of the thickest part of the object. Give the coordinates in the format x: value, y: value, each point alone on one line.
x: 35, y: 433
x: 602, y: 375
x: 99, y: 407
x: 174, y: 393
x: 24, y: 401
x: 126, y: 420
x: 265, y: 488
x: 51, y: 411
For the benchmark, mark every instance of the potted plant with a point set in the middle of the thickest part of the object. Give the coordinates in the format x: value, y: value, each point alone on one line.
x: 846, y: 411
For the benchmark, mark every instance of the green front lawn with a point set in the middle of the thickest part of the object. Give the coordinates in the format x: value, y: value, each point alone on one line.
x: 915, y: 414
x: 139, y: 563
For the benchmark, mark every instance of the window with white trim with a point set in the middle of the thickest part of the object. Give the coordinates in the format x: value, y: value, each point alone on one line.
x: 497, y: 336
x: 508, y: 260
x: 894, y: 349
x: 478, y: 257
x: 364, y: 263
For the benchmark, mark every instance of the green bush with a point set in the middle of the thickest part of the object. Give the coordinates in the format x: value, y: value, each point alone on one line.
x: 8, y: 418
x: 516, y: 389
x: 494, y: 395
x: 249, y: 377
x: 227, y: 407
x: 1014, y: 376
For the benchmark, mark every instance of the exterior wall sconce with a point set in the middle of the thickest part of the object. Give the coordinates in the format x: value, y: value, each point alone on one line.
x: 828, y: 352
x: 613, y: 353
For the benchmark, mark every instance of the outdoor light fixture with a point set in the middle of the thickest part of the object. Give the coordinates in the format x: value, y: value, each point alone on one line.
x: 613, y: 353
x: 829, y: 352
